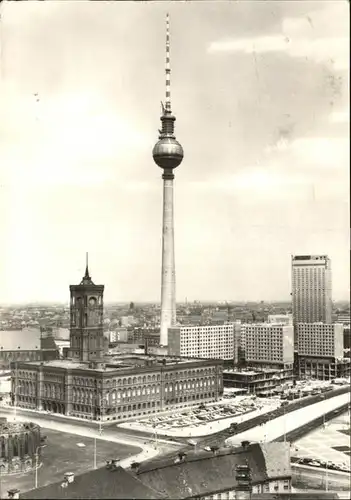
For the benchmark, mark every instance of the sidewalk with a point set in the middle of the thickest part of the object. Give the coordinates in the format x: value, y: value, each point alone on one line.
x: 289, y: 422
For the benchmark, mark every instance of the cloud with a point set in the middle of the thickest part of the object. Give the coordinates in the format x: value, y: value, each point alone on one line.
x: 69, y: 140
x: 264, y: 183
x: 316, y: 152
x: 340, y: 116
x: 308, y: 37
x: 322, y: 151
x: 322, y: 50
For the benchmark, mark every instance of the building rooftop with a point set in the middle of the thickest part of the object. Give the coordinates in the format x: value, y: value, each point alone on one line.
x: 118, y: 363
x: 96, y: 484
x: 305, y: 495
x: 27, y: 339
x: 69, y: 364
x: 250, y: 372
x: 266, y: 325
x: 202, y: 472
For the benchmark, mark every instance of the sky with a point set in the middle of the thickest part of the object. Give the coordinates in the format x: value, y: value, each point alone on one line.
x: 260, y: 91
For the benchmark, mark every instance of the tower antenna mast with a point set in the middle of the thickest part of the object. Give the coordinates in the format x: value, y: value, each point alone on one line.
x: 168, y: 70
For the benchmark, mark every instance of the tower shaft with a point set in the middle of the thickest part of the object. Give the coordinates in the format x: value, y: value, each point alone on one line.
x: 168, y: 292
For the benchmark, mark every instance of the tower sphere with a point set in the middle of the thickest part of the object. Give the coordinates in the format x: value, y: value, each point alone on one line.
x: 168, y: 153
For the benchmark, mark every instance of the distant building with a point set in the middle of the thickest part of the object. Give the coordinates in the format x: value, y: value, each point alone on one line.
x: 118, y: 335
x: 25, y: 345
x: 283, y: 319
x: 344, y: 319
x: 208, y: 342
x: 311, y: 289
x: 5, y: 382
x: 151, y: 339
x: 127, y: 321
x: 321, y: 351
x: 219, y: 317
x: 136, y: 335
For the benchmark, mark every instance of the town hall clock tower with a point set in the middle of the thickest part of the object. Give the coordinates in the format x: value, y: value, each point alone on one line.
x: 86, y: 320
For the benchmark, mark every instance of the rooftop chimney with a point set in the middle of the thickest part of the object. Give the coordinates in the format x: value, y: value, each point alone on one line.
x: 13, y: 493
x: 112, y: 464
x: 69, y: 477
x: 135, y: 466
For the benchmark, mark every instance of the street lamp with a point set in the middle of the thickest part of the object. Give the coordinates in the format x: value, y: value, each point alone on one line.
x: 326, y: 476
x: 284, y: 423
x: 100, y: 430
x: 2, y: 466
x: 36, y: 463
x: 92, y: 418
x: 16, y: 389
x: 155, y: 434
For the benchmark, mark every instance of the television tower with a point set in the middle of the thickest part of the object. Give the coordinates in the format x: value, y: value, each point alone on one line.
x: 168, y: 154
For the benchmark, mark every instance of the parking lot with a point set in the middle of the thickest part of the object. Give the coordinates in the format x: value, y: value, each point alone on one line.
x: 205, y: 419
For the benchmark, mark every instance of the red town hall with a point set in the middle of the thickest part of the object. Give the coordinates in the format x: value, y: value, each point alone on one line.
x: 91, y: 385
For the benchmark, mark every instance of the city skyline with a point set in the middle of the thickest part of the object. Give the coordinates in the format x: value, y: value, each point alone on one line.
x: 266, y: 169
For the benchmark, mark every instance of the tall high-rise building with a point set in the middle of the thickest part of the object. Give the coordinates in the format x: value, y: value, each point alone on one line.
x: 311, y: 289
x: 167, y: 154
x: 86, y: 321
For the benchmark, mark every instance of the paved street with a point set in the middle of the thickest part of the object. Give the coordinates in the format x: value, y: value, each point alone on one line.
x: 291, y: 421
x: 305, y: 477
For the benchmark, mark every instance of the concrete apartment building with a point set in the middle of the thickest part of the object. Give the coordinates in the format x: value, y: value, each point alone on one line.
x: 311, y: 290
x: 320, y: 351
x: 208, y: 342
x: 267, y: 351
x: 269, y: 345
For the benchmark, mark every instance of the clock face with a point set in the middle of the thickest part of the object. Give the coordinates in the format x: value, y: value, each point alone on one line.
x: 92, y: 301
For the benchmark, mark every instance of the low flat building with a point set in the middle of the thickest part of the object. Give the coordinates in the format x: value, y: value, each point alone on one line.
x: 323, y: 368
x: 25, y: 345
x: 262, y: 382
x: 284, y: 319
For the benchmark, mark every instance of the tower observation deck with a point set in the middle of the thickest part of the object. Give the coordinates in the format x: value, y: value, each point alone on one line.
x: 168, y: 154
